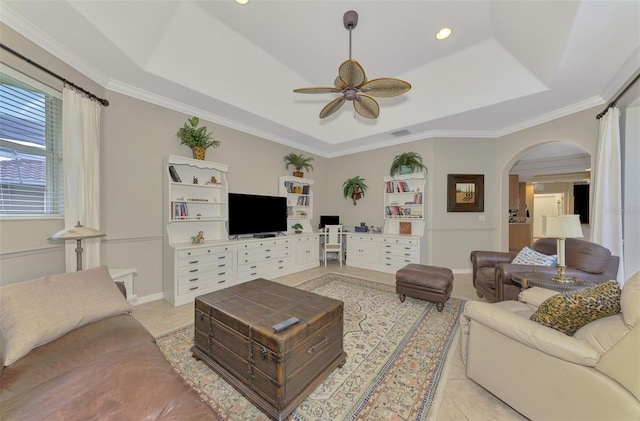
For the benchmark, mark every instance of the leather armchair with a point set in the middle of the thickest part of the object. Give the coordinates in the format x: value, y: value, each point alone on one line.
x: 492, y: 270
x: 547, y: 375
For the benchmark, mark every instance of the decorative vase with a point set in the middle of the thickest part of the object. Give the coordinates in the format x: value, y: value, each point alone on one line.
x: 199, y: 152
x: 298, y: 174
x: 405, y: 169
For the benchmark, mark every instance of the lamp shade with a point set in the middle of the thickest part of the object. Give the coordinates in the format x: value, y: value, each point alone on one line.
x: 76, y: 233
x: 562, y: 226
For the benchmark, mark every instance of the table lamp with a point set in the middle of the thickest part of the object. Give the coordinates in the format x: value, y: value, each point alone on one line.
x: 77, y: 233
x: 561, y: 227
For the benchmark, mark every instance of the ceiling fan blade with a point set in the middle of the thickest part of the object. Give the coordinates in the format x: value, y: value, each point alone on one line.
x: 352, y: 73
x: 332, y: 107
x: 385, y: 87
x: 339, y: 83
x: 316, y: 90
x: 366, y: 106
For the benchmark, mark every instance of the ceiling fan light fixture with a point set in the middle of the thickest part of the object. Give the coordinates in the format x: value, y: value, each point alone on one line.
x: 352, y: 84
x: 443, y: 33
x: 242, y: 2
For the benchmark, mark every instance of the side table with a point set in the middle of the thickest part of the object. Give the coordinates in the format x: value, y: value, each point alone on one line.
x: 125, y: 276
x: 543, y: 280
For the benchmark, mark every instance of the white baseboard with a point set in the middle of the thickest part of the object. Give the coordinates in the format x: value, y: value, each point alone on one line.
x: 149, y: 298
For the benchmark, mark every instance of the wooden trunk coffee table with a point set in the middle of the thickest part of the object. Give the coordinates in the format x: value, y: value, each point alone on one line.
x: 275, y: 370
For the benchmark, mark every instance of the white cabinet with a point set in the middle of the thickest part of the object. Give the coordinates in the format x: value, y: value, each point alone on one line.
x: 404, y: 204
x: 306, y: 251
x: 299, y: 194
x: 398, y: 252
x: 382, y: 252
x: 198, y: 270
x: 195, y: 199
x: 266, y: 258
x: 363, y: 251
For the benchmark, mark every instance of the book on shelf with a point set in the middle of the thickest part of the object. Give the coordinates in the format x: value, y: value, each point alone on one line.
x: 180, y: 210
x: 174, y: 174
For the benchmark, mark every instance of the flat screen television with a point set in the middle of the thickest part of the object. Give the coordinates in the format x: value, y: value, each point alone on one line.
x: 255, y: 214
x: 329, y: 220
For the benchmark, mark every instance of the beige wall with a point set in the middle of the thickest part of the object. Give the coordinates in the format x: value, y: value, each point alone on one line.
x: 137, y: 136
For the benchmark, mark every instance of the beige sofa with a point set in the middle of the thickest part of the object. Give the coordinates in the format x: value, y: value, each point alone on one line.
x: 547, y: 375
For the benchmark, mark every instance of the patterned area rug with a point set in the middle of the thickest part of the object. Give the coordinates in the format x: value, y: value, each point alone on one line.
x: 396, y: 356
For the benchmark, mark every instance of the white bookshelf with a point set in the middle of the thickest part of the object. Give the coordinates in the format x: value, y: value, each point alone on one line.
x: 299, y: 194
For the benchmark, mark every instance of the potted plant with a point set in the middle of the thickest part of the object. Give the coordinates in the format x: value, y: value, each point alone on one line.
x: 299, y: 162
x: 354, y: 188
x: 297, y: 228
x: 406, y: 163
x: 196, y: 138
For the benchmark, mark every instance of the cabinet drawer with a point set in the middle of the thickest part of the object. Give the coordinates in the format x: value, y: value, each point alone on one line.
x: 400, y: 251
x: 400, y: 241
x: 259, y: 244
x: 205, y: 259
x: 192, y: 287
x: 203, y: 251
x: 259, y: 256
x: 202, y: 270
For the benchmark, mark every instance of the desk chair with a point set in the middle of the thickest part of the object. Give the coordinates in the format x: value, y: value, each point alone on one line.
x: 332, y: 241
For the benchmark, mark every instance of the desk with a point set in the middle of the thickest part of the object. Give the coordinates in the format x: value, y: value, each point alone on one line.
x: 543, y: 280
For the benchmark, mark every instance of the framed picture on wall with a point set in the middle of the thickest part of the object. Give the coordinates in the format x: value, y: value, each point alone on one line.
x: 465, y: 193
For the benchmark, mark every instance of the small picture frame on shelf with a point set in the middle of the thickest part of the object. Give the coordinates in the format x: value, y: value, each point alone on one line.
x: 405, y: 228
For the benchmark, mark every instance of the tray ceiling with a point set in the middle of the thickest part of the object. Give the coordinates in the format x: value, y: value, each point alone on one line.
x: 507, y: 66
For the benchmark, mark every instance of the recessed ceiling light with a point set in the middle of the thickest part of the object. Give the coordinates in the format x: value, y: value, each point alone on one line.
x: 443, y: 33
x: 242, y: 1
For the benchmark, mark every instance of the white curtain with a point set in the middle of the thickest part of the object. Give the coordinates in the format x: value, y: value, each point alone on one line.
x: 606, y: 220
x: 81, y: 149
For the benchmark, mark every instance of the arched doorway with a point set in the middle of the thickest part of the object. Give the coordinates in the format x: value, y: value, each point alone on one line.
x: 547, y: 179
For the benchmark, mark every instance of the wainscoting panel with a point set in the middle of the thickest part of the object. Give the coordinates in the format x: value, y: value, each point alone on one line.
x: 27, y: 265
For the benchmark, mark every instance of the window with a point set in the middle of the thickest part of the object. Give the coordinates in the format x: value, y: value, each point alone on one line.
x: 31, y: 174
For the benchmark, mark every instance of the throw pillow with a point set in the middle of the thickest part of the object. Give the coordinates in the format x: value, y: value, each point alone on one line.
x: 528, y: 256
x: 36, y: 312
x: 569, y: 311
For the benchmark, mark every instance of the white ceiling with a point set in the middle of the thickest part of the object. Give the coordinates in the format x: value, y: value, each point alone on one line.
x: 508, y: 65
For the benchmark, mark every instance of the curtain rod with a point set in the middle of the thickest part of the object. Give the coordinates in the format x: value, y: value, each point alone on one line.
x: 613, y: 103
x: 44, y: 69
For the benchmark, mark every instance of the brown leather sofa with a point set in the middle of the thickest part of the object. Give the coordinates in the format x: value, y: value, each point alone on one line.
x: 492, y: 270
x: 109, y: 369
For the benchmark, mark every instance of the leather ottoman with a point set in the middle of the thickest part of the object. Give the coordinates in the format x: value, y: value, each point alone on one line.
x: 431, y: 283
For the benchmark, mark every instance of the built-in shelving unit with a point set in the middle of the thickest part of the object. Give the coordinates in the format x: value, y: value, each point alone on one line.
x: 196, y: 200
x: 404, y: 204
x: 299, y: 194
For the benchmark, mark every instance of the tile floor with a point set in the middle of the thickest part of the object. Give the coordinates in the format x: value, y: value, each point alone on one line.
x: 463, y: 399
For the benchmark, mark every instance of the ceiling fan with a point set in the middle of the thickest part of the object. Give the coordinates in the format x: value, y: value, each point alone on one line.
x: 352, y: 83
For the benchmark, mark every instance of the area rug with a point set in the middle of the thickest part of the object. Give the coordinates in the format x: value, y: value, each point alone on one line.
x: 397, y: 355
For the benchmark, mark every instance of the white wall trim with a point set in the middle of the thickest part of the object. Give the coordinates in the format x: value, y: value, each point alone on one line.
x: 149, y: 298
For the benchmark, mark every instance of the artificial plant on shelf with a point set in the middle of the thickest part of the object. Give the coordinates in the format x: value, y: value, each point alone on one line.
x: 297, y: 228
x: 354, y: 188
x: 197, y: 138
x: 406, y: 163
x: 299, y: 162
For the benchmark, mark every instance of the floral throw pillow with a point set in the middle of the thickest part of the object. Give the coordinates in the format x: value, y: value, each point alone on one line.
x: 528, y: 256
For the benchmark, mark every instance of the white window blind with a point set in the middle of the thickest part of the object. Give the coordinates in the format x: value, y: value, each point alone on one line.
x: 31, y: 174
